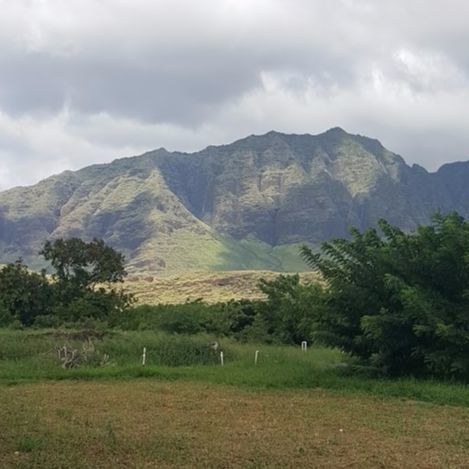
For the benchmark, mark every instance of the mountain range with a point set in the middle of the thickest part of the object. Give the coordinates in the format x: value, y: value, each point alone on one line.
x: 246, y: 205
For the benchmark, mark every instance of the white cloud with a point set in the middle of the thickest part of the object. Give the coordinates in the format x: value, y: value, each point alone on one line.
x: 86, y: 81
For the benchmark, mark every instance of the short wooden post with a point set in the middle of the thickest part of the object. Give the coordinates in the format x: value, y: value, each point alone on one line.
x: 144, y: 356
x: 256, y: 356
x: 304, y: 346
x: 221, y: 359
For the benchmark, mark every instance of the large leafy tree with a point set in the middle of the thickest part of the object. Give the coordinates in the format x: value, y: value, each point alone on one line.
x: 399, y: 301
x: 82, y: 286
x: 84, y: 277
x: 84, y: 264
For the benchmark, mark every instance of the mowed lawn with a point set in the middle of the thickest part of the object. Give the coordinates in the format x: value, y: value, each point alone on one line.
x: 148, y: 423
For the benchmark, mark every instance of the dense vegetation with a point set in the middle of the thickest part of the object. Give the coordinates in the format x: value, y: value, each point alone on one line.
x: 80, y: 288
x: 398, y: 302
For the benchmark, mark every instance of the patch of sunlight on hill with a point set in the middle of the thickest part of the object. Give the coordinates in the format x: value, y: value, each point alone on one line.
x: 183, y: 250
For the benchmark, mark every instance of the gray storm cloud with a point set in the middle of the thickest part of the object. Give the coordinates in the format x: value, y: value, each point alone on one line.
x: 84, y: 81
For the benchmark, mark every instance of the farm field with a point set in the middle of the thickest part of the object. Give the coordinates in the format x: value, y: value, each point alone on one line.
x: 183, y: 409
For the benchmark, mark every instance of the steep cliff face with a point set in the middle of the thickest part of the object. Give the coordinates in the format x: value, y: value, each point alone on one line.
x: 243, y: 205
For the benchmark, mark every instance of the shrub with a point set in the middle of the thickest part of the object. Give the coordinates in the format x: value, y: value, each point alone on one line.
x: 399, y: 301
x: 6, y: 318
x: 46, y: 321
x: 24, y: 294
x: 291, y: 308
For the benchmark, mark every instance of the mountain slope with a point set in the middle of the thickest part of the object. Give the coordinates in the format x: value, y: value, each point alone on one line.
x: 240, y: 206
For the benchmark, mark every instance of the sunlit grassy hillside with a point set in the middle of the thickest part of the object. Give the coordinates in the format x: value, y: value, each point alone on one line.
x: 211, y: 287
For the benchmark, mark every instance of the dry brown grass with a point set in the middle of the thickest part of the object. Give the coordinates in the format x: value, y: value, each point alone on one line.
x: 152, y: 424
x: 212, y: 287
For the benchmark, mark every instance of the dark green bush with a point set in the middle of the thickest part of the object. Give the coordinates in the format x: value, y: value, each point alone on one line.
x: 187, y: 318
x: 24, y: 294
x: 47, y: 321
x: 399, y: 301
x: 6, y: 318
x: 291, y: 308
x: 234, y: 318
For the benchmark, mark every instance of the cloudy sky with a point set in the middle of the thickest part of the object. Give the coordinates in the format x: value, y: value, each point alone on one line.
x: 85, y: 81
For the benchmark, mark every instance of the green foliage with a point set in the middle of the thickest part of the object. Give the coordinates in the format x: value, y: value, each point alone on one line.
x: 23, y: 294
x: 233, y: 319
x: 183, y: 351
x: 84, y: 264
x: 399, y: 301
x: 79, y: 268
x: 187, y: 318
x: 46, y: 321
x: 93, y: 305
x: 239, y: 319
x: 73, y: 295
x: 30, y: 355
x: 286, y: 317
x: 28, y: 443
x: 6, y: 318
x: 291, y: 308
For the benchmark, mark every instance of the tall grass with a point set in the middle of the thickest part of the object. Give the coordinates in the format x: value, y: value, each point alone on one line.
x: 31, y: 356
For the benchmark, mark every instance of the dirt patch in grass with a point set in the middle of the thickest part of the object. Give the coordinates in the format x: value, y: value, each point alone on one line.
x: 152, y: 424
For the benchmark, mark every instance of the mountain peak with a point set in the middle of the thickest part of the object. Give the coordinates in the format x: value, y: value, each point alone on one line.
x: 336, y: 131
x: 226, y: 206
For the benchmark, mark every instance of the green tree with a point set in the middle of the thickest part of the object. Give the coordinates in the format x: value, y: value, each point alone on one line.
x: 400, y: 301
x: 84, y: 278
x: 291, y: 308
x: 84, y: 264
x: 24, y: 295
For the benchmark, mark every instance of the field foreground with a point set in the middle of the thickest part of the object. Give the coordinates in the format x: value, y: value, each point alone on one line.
x: 147, y: 423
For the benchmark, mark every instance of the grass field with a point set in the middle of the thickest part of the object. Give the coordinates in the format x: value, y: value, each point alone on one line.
x: 292, y: 409
x: 147, y: 423
x: 212, y: 287
x: 30, y: 356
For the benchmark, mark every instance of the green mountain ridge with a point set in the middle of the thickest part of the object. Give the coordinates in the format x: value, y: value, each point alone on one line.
x: 246, y: 205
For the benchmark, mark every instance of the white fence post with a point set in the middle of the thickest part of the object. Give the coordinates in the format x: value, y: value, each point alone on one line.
x: 256, y: 356
x: 144, y: 356
x: 304, y: 345
x: 221, y: 359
